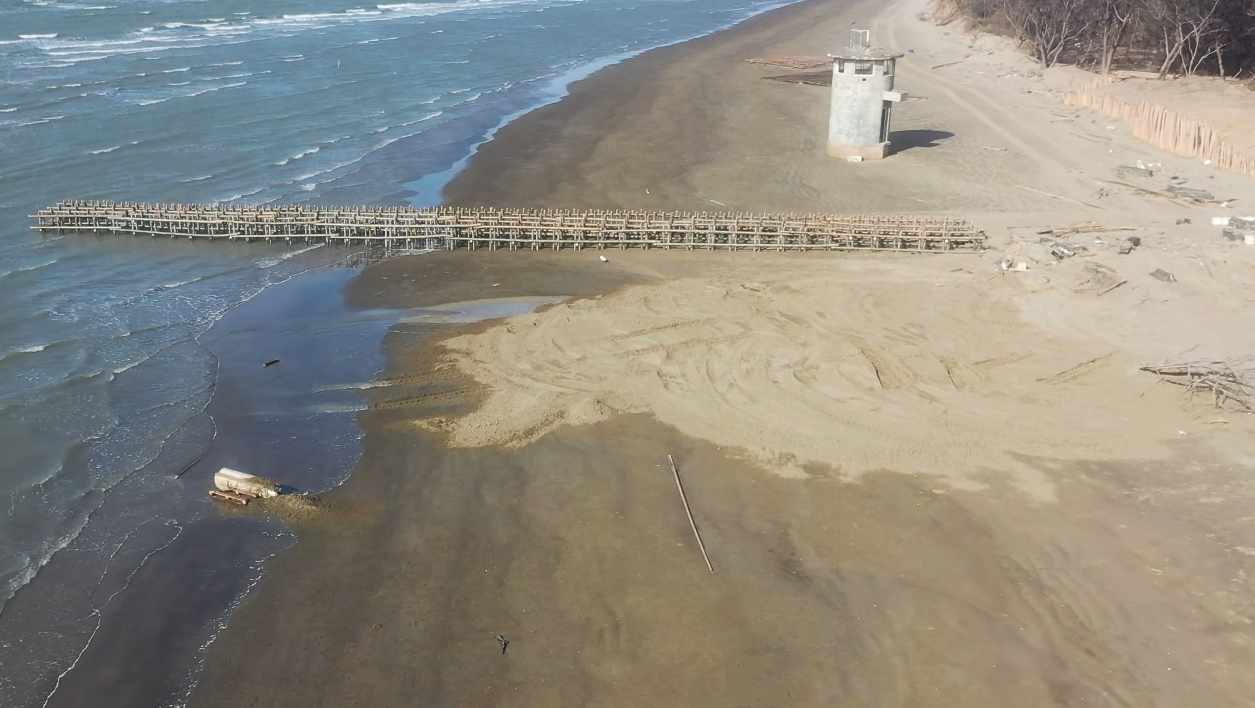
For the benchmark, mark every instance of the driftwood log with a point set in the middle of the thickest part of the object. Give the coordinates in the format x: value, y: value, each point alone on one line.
x: 1230, y: 383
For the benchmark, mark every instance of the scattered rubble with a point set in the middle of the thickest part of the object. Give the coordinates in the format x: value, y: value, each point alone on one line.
x: 1130, y: 171
x: 1084, y: 229
x: 1060, y: 249
x: 1099, y: 278
x: 1198, y: 195
x: 1231, y: 383
x: 1165, y: 276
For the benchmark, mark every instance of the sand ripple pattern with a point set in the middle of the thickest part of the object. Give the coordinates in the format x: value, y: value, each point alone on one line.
x: 852, y: 365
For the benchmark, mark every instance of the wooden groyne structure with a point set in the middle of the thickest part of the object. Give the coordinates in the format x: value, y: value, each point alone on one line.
x: 395, y: 228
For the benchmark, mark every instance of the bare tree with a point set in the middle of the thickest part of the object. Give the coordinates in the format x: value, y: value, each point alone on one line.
x: 1110, y: 25
x: 1188, y: 29
x: 1186, y: 36
x: 1049, y: 26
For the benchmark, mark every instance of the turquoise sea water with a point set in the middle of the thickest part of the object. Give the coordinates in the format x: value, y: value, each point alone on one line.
x: 109, y: 354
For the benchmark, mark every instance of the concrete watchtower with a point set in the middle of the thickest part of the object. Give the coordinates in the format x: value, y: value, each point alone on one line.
x: 862, y: 97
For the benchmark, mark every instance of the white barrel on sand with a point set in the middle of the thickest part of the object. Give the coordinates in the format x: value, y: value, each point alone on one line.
x: 229, y: 480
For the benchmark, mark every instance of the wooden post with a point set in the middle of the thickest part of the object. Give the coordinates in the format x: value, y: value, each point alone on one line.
x: 689, y: 513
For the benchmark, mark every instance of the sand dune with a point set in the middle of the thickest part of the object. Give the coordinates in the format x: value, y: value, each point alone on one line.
x: 857, y: 365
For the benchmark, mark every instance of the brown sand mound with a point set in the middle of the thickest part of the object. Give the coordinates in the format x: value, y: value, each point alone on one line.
x: 858, y: 365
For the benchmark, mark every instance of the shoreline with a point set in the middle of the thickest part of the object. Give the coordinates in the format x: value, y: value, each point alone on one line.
x: 547, y: 142
x: 434, y: 185
x: 957, y: 519
x: 560, y: 277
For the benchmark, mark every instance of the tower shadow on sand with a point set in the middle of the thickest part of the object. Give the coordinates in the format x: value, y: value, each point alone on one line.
x: 903, y: 140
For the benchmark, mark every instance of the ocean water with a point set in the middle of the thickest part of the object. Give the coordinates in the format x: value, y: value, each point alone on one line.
x: 113, y: 350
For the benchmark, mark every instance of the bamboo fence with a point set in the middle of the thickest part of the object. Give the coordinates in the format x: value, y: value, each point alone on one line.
x: 1167, y: 130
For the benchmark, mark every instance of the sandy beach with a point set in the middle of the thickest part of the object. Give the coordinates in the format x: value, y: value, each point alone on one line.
x: 922, y: 480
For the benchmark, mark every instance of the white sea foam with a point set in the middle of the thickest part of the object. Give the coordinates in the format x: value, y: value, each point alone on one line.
x: 130, y: 365
x: 104, y: 150
x: 238, y: 197
x: 180, y: 83
x: 244, y: 75
x: 211, y: 89
x: 319, y: 173
x: 362, y: 386
x: 31, y: 349
x: 299, y: 155
x: 176, y: 71
x: 179, y: 283
x: 196, y: 179
x: 7, y: 110
x: 39, y: 121
x: 272, y: 262
x: 37, y: 36
x: 185, y: 35
x: 420, y: 119
x: 339, y: 407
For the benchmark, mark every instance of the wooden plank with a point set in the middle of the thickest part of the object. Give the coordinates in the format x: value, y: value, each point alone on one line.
x: 229, y: 497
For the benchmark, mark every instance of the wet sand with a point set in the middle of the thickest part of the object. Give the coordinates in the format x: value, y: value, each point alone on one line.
x: 920, y: 483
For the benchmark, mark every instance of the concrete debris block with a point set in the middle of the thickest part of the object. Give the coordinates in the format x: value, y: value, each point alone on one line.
x: 1135, y: 240
x: 1130, y: 171
x: 1060, y: 249
x: 1232, y: 234
x: 1242, y: 222
x: 1165, y: 276
x: 1183, y: 221
x: 854, y: 158
x: 1200, y: 195
x: 1129, y: 244
x: 229, y: 480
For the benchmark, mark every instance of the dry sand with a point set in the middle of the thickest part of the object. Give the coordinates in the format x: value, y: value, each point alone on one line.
x: 856, y: 366
x: 923, y: 481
